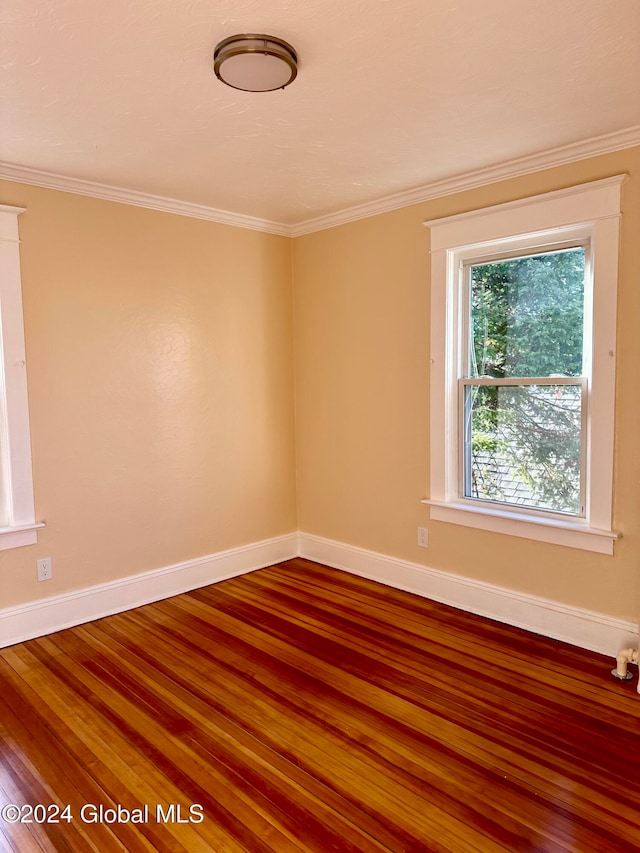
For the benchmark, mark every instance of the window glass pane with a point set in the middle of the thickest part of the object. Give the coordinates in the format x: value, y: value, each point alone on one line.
x: 527, y: 315
x: 522, y: 445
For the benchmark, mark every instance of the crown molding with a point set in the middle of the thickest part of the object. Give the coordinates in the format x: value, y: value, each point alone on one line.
x: 52, y: 181
x: 594, y: 147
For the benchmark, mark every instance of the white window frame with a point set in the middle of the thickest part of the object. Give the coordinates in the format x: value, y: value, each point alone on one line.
x: 18, y: 526
x: 588, y: 213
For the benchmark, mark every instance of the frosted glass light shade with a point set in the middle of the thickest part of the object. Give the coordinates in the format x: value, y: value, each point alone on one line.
x: 255, y: 63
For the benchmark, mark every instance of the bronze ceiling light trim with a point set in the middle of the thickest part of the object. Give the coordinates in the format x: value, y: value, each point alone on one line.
x: 255, y: 62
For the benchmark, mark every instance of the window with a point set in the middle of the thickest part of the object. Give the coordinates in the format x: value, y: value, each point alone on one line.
x: 17, y: 518
x: 523, y: 366
x: 524, y: 384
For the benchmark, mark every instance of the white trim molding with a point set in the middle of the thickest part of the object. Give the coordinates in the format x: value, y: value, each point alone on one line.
x: 553, y: 531
x: 18, y: 525
x: 587, y: 629
x: 594, y: 147
x: 48, y: 615
x: 606, y: 144
x: 78, y: 186
x: 17, y: 537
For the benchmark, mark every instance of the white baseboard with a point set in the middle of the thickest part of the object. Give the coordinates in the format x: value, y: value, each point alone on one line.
x: 47, y: 615
x: 585, y: 628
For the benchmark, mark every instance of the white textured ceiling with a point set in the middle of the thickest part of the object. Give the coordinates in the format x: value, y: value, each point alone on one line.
x: 390, y: 95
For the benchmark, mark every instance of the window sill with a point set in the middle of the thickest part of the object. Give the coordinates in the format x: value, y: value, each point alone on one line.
x: 572, y: 534
x: 16, y: 537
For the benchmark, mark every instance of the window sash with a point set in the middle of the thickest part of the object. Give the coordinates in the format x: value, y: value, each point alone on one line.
x: 465, y: 436
x: 543, y: 248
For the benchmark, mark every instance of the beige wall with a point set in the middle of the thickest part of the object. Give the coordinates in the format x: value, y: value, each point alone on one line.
x: 159, y: 363
x: 362, y: 400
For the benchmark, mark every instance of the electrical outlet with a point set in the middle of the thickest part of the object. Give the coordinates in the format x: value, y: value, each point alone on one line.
x: 45, y: 569
x: 423, y: 537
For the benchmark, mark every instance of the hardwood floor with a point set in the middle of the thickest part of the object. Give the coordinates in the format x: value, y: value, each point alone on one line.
x: 305, y: 709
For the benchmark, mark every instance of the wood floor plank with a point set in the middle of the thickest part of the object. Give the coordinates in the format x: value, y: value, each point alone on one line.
x: 311, y: 745
x: 137, y: 777
x: 45, y: 758
x: 375, y: 698
x: 264, y: 772
x: 81, y: 743
x: 309, y: 710
x: 440, y: 684
x: 139, y: 716
x: 346, y: 746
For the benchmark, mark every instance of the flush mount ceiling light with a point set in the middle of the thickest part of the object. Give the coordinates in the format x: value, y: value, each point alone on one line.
x: 255, y: 63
